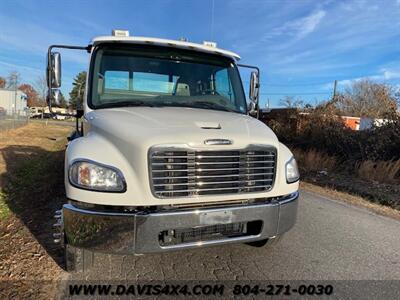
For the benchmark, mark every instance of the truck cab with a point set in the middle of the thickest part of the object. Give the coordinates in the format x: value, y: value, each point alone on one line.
x: 170, y: 155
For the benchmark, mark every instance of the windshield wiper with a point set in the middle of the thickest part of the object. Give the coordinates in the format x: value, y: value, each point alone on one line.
x: 206, y: 104
x: 124, y: 104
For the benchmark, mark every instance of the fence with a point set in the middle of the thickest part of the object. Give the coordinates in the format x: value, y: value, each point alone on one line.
x: 15, y: 120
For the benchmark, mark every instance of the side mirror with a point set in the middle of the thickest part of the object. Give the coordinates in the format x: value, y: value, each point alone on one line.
x: 254, y: 87
x: 54, y: 70
x: 254, y: 92
x: 54, y: 97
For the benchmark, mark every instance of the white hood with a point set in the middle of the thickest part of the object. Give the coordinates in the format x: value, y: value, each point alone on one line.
x: 148, y: 126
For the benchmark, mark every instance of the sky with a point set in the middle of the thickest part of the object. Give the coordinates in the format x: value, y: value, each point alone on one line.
x: 301, y: 46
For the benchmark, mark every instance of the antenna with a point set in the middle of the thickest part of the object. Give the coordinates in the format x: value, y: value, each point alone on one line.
x: 212, y: 19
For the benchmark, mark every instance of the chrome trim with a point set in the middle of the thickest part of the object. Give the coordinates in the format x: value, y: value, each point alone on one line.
x: 194, y: 170
x: 287, y: 213
x: 138, y: 233
x: 218, y: 142
x: 58, y: 228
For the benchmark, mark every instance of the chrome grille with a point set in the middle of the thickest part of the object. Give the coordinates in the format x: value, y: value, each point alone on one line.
x: 186, y: 172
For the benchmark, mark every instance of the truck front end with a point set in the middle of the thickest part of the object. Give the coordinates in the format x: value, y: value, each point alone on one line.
x: 169, y: 156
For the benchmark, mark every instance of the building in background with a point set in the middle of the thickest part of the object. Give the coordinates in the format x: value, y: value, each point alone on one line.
x: 351, y: 122
x: 368, y: 123
x: 13, y: 102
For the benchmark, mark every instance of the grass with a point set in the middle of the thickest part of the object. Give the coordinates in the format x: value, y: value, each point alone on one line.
x: 31, y: 189
x: 34, y: 176
x: 313, y: 160
x: 380, y: 171
x: 4, y: 209
x: 376, y: 181
x: 27, y: 160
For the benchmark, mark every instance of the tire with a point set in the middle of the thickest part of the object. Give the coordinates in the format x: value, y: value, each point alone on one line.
x: 78, y: 260
x: 268, y: 243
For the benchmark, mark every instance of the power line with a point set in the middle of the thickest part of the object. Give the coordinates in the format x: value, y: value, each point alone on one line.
x: 294, y: 94
x: 291, y: 84
x: 296, y: 84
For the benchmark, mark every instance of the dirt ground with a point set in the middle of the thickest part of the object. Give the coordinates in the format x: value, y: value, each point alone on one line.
x: 379, y: 193
x: 31, y: 189
x: 351, y: 199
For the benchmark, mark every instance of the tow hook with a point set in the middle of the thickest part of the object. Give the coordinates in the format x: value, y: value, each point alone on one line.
x: 58, y: 228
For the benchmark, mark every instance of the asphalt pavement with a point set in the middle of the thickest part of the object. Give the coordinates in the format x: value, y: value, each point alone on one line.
x: 331, y: 240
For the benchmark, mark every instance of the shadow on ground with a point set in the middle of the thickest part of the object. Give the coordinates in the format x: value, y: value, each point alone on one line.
x: 33, y: 189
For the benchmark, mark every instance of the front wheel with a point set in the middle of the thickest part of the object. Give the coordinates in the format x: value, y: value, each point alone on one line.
x: 78, y: 259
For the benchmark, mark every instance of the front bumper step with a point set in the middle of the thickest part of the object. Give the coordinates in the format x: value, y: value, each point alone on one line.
x: 140, y: 233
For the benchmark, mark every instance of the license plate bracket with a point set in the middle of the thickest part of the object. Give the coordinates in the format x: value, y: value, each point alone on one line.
x: 216, y: 217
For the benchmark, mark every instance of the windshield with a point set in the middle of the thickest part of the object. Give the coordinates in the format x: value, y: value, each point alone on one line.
x: 155, y: 76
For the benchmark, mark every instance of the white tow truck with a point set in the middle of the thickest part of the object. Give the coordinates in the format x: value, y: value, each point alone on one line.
x: 169, y: 155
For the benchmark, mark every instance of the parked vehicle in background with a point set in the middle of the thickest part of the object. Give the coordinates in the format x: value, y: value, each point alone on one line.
x: 44, y: 112
x: 169, y: 155
x: 35, y: 112
x: 57, y: 117
x: 3, y: 112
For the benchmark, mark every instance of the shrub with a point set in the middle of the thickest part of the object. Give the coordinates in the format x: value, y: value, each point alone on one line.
x: 382, y: 143
x: 313, y: 160
x: 381, y: 171
x: 326, y: 132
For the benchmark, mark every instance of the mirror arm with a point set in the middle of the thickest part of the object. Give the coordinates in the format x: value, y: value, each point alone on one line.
x: 257, y: 108
x: 250, y: 67
x: 51, y: 47
x: 49, y: 51
x: 258, y: 72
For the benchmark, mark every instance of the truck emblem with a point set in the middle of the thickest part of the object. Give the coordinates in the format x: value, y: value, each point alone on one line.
x: 218, y: 142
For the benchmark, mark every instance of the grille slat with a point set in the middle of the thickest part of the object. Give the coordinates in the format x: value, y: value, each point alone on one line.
x: 212, y: 176
x: 189, y: 173
x: 248, y: 189
x: 212, y: 182
x: 210, y: 163
x: 210, y: 156
x: 220, y: 169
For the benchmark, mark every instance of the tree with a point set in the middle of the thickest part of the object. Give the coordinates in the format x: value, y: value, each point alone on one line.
x: 41, y: 89
x: 2, y: 82
x: 291, y: 102
x: 31, y: 94
x: 365, y: 98
x: 76, y: 94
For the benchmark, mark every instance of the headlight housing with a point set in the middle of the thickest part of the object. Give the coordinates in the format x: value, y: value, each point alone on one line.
x: 90, y: 175
x: 292, y: 171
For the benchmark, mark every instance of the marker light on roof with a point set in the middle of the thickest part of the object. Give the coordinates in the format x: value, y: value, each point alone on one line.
x: 119, y: 32
x: 210, y: 44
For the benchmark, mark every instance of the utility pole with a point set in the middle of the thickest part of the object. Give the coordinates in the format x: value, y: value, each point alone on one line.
x: 334, y: 90
x: 15, y: 82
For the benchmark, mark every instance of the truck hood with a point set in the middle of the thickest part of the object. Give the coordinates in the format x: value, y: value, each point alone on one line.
x: 147, y: 126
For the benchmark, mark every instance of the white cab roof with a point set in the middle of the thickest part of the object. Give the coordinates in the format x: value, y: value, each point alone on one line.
x: 165, y: 43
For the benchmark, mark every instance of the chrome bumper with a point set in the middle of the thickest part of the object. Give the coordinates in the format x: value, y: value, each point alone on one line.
x: 129, y: 233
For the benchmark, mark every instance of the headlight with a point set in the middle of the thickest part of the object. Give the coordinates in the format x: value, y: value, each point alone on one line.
x: 97, y: 177
x: 292, y: 171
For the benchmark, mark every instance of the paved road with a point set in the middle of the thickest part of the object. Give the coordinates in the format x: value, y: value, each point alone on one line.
x: 331, y: 241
